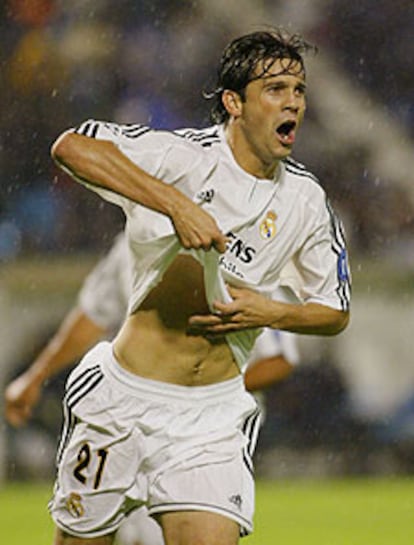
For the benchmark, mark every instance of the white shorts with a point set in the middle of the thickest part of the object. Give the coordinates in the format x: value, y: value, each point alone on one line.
x: 129, y: 441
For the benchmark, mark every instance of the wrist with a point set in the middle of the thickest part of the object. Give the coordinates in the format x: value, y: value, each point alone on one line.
x: 283, y: 315
x: 38, y: 373
x: 173, y: 202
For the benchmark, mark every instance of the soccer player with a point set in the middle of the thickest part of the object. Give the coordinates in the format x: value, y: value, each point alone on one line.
x: 100, y: 309
x: 161, y: 416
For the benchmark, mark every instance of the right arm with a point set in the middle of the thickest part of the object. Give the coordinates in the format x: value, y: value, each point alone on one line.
x: 101, y: 306
x: 101, y: 163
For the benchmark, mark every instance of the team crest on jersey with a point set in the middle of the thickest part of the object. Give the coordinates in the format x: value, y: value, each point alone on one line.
x: 74, y: 505
x: 268, y: 225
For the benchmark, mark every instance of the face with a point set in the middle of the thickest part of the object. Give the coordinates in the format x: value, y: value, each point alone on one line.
x: 269, y: 117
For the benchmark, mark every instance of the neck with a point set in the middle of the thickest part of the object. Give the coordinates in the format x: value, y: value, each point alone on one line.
x: 246, y: 156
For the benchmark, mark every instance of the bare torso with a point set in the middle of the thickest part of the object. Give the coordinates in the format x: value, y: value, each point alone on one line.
x: 154, y: 342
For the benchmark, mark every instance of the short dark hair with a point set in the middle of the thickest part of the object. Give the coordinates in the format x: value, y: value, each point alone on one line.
x: 241, y: 57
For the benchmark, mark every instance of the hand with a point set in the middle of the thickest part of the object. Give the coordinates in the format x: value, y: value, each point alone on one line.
x: 247, y: 310
x: 196, y: 228
x: 21, y: 397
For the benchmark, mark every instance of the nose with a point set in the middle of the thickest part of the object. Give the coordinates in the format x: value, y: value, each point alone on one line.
x: 292, y: 101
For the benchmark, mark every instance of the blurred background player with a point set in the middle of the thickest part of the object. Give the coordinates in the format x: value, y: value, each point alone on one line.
x: 100, y: 308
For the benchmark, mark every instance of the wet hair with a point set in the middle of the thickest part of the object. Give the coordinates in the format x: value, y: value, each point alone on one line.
x: 241, y: 58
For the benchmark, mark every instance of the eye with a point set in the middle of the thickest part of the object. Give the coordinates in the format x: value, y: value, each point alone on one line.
x: 275, y: 87
x: 301, y: 89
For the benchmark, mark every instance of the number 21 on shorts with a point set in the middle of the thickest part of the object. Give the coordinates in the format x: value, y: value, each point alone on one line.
x: 85, y: 458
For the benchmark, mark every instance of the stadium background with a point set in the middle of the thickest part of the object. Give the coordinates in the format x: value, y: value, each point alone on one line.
x: 349, y: 410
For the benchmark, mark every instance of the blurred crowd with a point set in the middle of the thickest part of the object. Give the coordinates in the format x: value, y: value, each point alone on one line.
x: 148, y: 61
x: 63, y: 62
x: 372, y: 42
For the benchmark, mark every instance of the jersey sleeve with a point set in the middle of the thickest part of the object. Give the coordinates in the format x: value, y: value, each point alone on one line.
x: 143, y: 145
x: 323, y: 262
x: 163, y: 154
x: 271, y: 343
x: 105, y: 291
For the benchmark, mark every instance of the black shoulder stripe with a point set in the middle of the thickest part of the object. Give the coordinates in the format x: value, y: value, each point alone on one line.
x: 204, y: 137
x: 339, y: 248
x: 83, y: 129
x: 89, y: 128
x: 292, y: 162
x: 134, y: 131
x: 301, y: 172
x: 337, y: 228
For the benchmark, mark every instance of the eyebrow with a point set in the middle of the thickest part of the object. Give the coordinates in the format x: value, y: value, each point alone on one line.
x: 302, y: 80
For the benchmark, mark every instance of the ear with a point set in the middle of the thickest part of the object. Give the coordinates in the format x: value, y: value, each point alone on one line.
x: 232, y: 102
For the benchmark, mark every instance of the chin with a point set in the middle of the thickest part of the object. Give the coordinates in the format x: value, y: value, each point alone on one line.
x: 283, y: 153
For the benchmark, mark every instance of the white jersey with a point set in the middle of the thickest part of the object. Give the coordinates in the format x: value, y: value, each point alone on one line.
x: 105, y: 292
x: 269, y: 222
x: 273, y: 342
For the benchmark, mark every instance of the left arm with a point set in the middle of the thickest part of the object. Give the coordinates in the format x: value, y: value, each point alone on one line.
x: 250, y: 309
x: 265, y: 372
x: 272, y: 360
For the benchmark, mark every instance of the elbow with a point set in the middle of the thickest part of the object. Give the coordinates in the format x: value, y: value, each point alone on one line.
x: 340, y: 323
x: 61, y: 148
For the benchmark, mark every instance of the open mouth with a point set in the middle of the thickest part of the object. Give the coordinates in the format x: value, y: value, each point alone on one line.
x: 286, y: 132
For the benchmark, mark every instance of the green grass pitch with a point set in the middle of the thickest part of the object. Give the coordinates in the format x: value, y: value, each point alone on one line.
x: 337, y: 512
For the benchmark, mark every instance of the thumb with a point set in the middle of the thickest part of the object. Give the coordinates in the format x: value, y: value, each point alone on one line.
x: 234, y: 292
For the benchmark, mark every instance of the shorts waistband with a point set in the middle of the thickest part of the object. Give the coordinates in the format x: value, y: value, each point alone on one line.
x: 143, y: 387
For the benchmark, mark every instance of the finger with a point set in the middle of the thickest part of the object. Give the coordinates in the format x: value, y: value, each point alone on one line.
x: 207, y: 245
x: 220, y: 243
x: 16, y: 418
x: 225, y: 309
x: 205, y: 320
x: 221, y: 329
x: 235, y: 292
x: 185, y: 242
x: 192, y: 242
x: 217, y: 241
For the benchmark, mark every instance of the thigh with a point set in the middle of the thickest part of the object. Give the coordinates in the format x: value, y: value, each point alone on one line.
x: 139, y: 529
x: 210, y: 476
x: 189, y: 527
x: 211, y: 482
x: 62, y: 538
